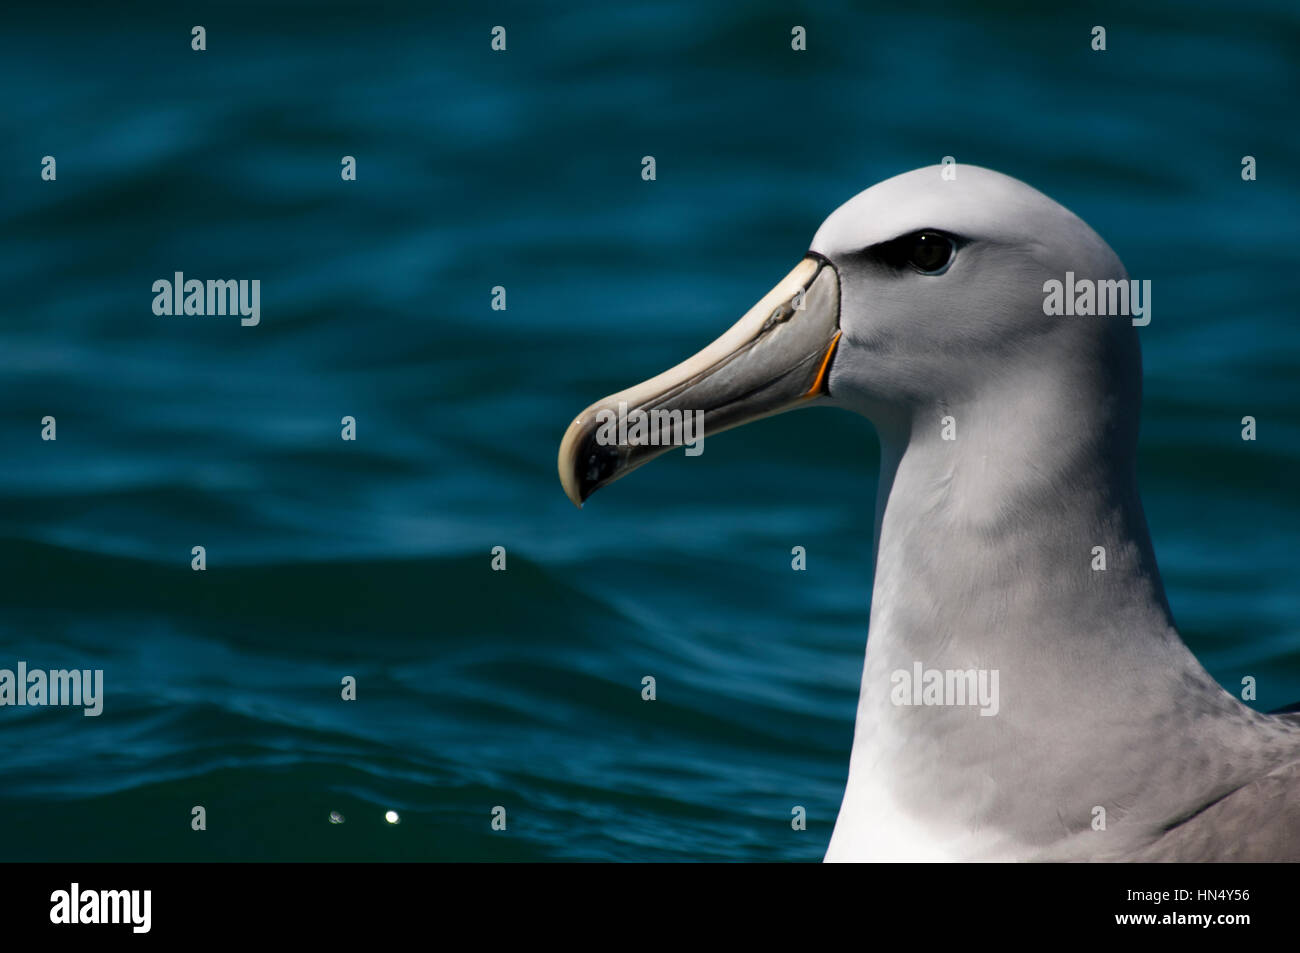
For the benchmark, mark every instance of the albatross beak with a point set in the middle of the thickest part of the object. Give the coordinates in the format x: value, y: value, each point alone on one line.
x: 773, y: 359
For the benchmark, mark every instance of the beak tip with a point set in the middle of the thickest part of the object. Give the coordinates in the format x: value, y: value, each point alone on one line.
x: 586, y: 464
x: 572, y: 493
x: 568, y: 461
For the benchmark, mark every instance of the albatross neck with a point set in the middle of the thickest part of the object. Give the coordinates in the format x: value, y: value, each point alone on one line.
x: 989, y: 550
x: 1008, y: 524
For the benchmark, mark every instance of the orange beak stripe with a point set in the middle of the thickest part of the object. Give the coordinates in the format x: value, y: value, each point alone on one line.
x: 816, y: 388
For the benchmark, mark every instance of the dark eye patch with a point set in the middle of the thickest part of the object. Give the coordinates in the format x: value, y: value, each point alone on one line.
x: 928, y: 251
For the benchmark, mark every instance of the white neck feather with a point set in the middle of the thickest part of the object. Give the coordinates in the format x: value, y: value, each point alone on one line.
x: 984, y: 561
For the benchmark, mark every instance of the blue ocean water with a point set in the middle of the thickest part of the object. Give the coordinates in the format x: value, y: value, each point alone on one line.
x: 522, y: 169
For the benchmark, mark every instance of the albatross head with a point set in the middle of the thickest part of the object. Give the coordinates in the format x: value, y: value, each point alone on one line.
x: 919, y: 295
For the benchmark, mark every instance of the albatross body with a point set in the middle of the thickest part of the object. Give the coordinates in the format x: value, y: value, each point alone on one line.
x: 1008, y: 447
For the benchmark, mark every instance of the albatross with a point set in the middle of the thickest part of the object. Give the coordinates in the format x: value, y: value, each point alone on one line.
x: 1009, y: 541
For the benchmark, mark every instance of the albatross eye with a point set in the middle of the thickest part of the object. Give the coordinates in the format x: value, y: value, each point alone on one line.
x: 928, y: 252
